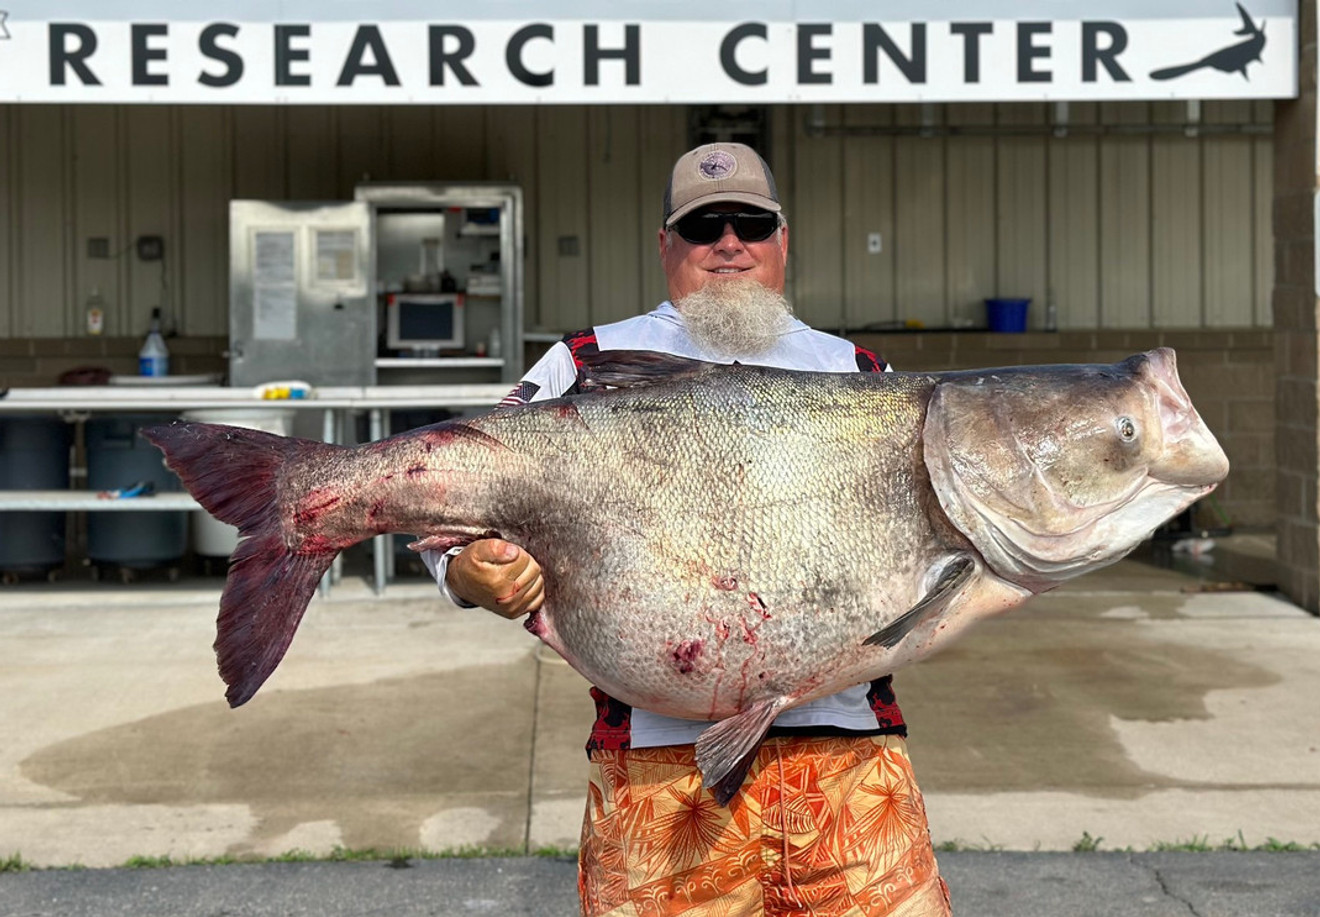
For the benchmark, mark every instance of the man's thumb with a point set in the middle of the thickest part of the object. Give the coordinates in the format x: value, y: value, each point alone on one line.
x: 501, y: 552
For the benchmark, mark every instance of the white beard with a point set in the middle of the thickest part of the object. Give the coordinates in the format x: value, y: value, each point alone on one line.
x: 735, y: 318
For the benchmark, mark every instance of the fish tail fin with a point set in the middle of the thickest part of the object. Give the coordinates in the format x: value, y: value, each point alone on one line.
x: 727, y: 749
x: 1170, y: 73
x: 234, y: 473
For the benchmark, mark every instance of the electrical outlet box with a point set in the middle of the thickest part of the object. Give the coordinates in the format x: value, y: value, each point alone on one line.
x: 150, y: 248
x: 874, y: 244
x: 98, y: 247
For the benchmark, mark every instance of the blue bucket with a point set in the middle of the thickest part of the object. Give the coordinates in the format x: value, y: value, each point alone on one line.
x: 1007, y: 314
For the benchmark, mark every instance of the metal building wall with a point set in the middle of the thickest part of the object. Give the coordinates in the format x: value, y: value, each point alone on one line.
x: 1139, y: 230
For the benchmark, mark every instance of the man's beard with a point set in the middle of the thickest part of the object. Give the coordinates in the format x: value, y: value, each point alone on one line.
x: 735, y: 318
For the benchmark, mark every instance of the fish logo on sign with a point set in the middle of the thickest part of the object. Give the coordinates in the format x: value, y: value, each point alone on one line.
x: 1233, y: 59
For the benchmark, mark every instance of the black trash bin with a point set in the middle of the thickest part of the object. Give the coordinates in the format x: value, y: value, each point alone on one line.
x: 34, y: 455
x: 118, y: 458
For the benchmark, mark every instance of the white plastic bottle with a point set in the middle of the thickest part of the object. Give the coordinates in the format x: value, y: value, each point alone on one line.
x: 95, y: 312
x: 154, y: 357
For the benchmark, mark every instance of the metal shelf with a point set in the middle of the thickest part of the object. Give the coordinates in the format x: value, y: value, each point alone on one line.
x: 71, y: 500
x: 438, y: 362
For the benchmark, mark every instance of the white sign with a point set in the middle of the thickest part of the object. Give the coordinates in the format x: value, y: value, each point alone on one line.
x: 405, y: 52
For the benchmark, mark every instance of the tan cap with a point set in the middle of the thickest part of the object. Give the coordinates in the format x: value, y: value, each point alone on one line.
x: 719, y: 172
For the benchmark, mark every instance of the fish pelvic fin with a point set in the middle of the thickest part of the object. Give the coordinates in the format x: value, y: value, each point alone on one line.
x: 631, y: 368
x: 726, y: 750
x: 234, y: 473
x: 956, y: 574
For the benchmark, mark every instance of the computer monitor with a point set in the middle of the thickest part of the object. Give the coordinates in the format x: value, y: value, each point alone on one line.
x: 424, y: 321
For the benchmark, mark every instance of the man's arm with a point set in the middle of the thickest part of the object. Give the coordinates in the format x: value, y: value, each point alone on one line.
x: 492, y: 573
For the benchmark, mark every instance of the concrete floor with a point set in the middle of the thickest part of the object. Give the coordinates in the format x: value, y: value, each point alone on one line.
x: 1140, y: 705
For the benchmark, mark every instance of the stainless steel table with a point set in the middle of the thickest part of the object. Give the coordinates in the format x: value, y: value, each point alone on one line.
x: 79, y: 402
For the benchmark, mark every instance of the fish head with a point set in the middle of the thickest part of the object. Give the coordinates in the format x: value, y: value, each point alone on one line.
x: 1055, y: 471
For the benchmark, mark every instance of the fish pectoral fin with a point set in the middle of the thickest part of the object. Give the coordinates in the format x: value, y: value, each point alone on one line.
x: 957, y: 573
x: 726, y: 750
x: 630, y: 368
x: 443, y: 541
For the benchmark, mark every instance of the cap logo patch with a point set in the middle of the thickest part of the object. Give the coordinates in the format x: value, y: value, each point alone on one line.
x: 717, y: 166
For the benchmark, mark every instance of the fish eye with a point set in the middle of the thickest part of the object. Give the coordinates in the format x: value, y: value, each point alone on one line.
x: 1127, y: 429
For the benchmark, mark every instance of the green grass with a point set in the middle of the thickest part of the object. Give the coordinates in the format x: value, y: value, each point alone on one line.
x: 395, y: 856
x: 399, y: 856
x: 1203, y: 844
x: 1197, y: 844
x: 1087, y: 844
x: 13, y: 863
x: 960, y: 846
x: 1273, y: 845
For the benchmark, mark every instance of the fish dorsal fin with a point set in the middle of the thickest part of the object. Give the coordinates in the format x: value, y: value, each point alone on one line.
x: 957, y: 573
x: 629, y: 368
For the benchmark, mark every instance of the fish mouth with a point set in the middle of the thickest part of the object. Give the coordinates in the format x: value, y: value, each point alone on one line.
x: 1106, y: 533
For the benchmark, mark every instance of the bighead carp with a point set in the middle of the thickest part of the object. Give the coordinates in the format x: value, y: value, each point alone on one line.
x: 726, y: 542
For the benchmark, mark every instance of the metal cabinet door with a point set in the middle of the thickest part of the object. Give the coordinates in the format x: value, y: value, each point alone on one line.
x: 300, y: 304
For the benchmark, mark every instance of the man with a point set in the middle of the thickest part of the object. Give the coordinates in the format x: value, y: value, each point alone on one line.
x: 829, y: 820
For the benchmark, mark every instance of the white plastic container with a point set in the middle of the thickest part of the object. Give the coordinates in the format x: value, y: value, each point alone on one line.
x: 154, y: 357
x: 211, y: 537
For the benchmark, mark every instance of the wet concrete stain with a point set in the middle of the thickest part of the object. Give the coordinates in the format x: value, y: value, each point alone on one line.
x: 1025, y: 703
x: 377, y: 759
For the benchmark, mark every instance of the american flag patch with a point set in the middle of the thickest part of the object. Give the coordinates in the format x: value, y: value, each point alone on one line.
x: 522, y: 394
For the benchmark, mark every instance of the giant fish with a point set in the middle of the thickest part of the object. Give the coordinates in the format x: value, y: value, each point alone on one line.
x: 726, y: 542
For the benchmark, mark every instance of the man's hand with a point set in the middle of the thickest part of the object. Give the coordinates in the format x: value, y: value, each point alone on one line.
x: 498, y: 576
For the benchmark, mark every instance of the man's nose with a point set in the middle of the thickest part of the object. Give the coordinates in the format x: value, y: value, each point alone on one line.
x: 728, y: 240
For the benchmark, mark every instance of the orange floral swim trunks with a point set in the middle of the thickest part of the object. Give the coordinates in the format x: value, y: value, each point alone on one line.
x: 833, y: 827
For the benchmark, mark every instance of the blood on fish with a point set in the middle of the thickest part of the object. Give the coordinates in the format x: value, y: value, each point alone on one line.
x: 684, y: 656
x: 535, y: 624
x: 318, y: 544
x: 749, y: 633
x: 721, y: 626
x: 416, y: 470
x: 312, y: 510
x: 757, y: 605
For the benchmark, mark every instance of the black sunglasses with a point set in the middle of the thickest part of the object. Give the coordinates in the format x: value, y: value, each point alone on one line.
x: 702, y: 227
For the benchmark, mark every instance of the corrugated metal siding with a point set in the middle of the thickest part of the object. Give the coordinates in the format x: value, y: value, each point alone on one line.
x: 1120, y: 231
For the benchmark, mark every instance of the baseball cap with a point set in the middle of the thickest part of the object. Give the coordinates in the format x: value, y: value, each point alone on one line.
x: 716, y: 173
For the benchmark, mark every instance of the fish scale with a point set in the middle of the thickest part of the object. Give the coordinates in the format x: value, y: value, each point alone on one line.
x: 726, y: 542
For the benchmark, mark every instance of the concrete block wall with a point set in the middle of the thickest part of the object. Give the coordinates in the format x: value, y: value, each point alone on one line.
x: 39, y: 362
x: 1228, y: 374
x: 1295, y: 323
